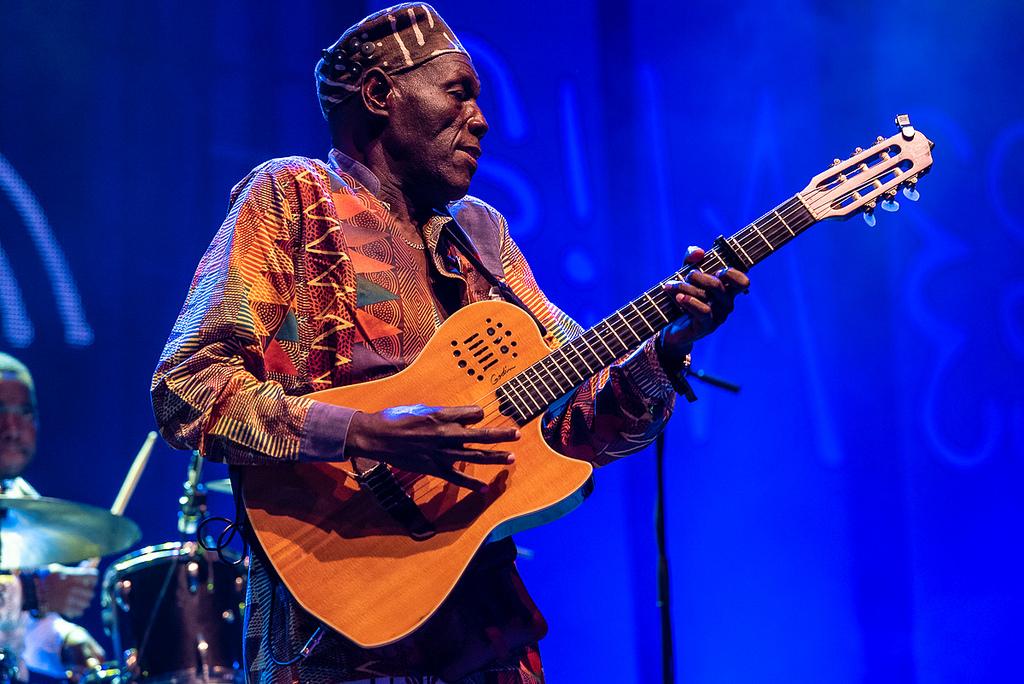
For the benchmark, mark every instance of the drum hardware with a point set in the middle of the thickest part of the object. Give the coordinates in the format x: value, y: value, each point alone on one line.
x: 174, y: 610
x: 190, y: 634
x: 121, y: 592
x: 193, y: 577
x: 201, y: 648
x: 130, y: 659
x: 35, y: 532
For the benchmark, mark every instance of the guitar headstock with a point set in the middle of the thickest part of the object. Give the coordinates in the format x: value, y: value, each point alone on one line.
x: 872, y: 176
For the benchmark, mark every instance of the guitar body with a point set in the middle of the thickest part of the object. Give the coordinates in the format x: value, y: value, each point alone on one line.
x: 351, y: 562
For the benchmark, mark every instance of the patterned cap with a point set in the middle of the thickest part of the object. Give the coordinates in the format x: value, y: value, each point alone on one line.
x: 394, y: 39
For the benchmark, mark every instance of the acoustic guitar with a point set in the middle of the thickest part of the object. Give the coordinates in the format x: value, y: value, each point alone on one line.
x: 374, y: 559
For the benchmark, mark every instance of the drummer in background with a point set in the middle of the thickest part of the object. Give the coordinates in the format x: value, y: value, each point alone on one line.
x: 32, y: 631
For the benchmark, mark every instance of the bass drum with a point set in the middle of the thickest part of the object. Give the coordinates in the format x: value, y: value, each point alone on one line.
x: 174, y: 613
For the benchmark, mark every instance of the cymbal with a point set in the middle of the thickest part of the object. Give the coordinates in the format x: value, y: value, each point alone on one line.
x: 219, y: 486
x: 37, y: 532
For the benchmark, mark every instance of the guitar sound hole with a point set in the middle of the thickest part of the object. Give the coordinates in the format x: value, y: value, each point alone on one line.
x: 480, y: 350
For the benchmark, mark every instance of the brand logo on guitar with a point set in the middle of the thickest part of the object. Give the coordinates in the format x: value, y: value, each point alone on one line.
x: 498, y: 377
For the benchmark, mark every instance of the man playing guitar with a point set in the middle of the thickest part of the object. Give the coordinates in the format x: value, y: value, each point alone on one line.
x: 330, y: 274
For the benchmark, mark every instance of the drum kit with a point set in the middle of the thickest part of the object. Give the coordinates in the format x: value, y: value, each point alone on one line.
x: 173, y: 611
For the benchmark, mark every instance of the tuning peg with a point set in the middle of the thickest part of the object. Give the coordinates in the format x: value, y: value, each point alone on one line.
x: 911, y: 193
x: 889, y: 204
x: 879, y: 139
x: 869, y: 218
x: 857, y: 150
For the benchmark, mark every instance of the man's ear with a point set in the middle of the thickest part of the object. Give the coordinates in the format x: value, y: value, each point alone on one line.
x: 377, y: 87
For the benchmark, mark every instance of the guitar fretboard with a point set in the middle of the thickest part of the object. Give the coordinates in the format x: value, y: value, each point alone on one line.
x: 530, y: 392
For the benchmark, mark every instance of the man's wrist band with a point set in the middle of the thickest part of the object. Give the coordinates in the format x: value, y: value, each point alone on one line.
x: 675, y: 370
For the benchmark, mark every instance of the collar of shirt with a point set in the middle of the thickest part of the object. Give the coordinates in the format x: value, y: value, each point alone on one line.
x: 347, y: 165
x: 339, y: 161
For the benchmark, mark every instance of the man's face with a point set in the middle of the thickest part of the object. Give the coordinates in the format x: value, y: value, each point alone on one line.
x: 435, y: 128
x: 17, y: 428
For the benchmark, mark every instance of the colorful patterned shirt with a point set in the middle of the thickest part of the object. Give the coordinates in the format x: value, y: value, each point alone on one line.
x: 308, y: 285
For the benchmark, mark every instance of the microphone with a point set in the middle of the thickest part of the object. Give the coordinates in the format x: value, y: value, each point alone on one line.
x: 714, y: 381
x: 193, y: 498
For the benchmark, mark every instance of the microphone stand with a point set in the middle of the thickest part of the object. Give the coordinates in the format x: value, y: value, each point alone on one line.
x: 668, y: 663
x: 193, y: 498
x: 668, y: 667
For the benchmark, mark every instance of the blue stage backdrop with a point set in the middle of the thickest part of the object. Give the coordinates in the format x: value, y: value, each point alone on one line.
x: 853, y: 515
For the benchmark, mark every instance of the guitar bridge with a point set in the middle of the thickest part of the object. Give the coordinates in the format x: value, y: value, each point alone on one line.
x: 380, y: 482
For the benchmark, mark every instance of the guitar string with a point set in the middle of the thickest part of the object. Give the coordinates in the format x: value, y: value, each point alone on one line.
x: 746, y: 237
x: 793, y: 210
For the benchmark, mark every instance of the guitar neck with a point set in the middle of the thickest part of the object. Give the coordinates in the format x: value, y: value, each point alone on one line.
x: 530, y: 392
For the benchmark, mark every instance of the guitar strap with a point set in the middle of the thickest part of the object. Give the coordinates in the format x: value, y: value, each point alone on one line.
x: 454, y: 234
